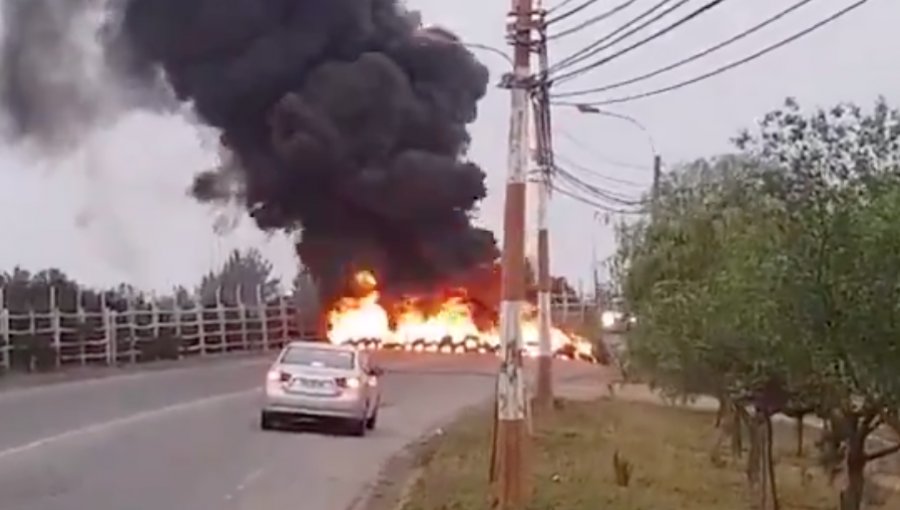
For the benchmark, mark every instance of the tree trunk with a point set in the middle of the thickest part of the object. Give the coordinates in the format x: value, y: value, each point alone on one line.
x: 754, y: 462
x: 761, y: 463
x: 722, y: 431
x: 738, y: 419
x: 852, y: 495
x: 769, y: 464
x: 721, y: 412
x: 801, y: 425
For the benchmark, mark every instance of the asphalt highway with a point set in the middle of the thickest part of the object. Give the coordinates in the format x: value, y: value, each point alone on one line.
x: 189, y: 438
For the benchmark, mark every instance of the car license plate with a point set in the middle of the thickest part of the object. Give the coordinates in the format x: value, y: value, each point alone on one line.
x: 313, y: 385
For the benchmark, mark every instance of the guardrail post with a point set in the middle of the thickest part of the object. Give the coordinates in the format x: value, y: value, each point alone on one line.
x: 283, y: 310
x: 32, y: 333
x: 263, y: 312
x: 176, y: 318
x: 83, y: 330
x: 155, y: 322
x: 104, y: 319
x: 132, y: 331
x: 201, y: 327
x: 112, y: 338
x: 5, y: 337
x: 242, y: 312
x: 223, y: 326
x: 55, y: 325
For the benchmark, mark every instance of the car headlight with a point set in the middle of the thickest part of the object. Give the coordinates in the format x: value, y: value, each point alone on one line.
x: 608, y: 319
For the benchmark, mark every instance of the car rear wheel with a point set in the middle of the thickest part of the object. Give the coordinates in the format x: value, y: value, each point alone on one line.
x: 265, y: 421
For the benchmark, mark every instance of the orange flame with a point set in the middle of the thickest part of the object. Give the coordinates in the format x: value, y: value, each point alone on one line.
x: 449, y: 327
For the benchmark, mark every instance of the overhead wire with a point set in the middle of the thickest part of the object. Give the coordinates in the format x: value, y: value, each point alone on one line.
x: 569, y: 162
x: 595, y: 191
x: 577, y: 189
x: 602, y: 157
x: 692, y: 58
x: 559, y: 6
x: 571, y: 12
x: 591, y: 21
x: 576, y: 57
x: 592, y: 203
x: 605, y: 60
x: 727, y: 67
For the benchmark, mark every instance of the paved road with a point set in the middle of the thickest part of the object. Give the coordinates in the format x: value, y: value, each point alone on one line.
x: 189, y: 439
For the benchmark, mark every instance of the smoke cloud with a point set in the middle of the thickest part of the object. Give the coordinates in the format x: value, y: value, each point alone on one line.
x: 57, y: 84
x: 343, y: 119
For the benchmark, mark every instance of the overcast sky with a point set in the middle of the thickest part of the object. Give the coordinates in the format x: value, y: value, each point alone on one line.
x: 118, y: 211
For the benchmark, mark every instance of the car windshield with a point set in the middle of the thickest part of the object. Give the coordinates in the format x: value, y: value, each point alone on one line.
x: 320, y: 358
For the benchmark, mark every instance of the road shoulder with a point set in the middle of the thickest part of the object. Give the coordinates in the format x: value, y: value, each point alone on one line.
x: 398, y: 475
x: 23, y: 381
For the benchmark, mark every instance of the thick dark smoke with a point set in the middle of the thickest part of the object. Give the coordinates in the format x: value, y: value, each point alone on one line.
x: 43, y: 85
x: 347, y: 118
x: 56, y: 82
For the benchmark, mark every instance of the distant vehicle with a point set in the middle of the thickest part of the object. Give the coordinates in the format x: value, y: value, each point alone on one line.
x: 615, y: 320
x: 322, y: 381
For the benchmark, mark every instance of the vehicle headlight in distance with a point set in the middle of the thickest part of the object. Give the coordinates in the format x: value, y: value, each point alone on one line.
x: 608, y: 319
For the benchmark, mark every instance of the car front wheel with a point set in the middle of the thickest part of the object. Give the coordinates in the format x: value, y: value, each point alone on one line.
x: 358, y: 428
x: 265, y: 421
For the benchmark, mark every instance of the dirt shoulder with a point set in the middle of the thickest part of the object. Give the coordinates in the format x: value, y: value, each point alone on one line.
x: 666, y: 446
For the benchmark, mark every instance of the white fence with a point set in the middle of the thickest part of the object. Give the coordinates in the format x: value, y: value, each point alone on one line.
x: 114, y: 335
x: 56, y: 338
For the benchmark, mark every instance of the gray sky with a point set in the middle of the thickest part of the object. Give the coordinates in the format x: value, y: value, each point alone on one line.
x: 119, y: 210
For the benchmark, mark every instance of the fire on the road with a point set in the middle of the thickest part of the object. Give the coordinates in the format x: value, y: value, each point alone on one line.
x: 448, y: 327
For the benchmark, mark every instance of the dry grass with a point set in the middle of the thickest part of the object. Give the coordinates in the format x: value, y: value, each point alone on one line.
x: 668, y: 450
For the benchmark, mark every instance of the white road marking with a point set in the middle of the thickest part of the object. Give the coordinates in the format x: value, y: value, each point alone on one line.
x: 126, y: 420
x: 247, y: 480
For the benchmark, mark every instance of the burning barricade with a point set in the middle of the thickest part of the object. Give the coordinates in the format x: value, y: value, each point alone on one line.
x: 447, y: 324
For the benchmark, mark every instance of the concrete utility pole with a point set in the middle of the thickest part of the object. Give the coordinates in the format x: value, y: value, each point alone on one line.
x: 508, y: 470
x: 544, y: 150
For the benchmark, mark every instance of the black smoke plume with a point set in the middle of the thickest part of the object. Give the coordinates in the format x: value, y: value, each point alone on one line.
x: 56, y: 83
x: 345, y: 119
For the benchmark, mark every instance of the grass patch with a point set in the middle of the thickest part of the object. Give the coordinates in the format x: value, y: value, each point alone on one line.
x: 667, y: 450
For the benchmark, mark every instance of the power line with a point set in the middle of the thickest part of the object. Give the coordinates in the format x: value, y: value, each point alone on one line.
x: 728, y: 67
x: 590, y: 67
x: 594, y: 154
x: 591, y: 203
x: 596, y: 19
x: 571, y: 12
x: 594, y: 190
x: 690, y: 59
x: 559, y: 6
x: 579, y: 55
x: 569, y: 162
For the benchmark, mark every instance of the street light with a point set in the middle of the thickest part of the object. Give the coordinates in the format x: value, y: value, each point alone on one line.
x: 588, y: 109
x: 491, y: 49
x: 657, y: 160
